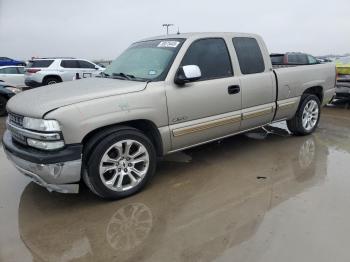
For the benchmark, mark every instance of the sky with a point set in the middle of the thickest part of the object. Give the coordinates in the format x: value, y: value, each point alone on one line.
x: 103, y: 29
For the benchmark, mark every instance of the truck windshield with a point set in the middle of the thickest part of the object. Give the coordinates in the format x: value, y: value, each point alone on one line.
x: 145, y: 61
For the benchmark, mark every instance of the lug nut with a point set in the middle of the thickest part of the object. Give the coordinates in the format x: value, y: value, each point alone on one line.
x: 125, y: 170
x: 130, y: 164
x: 119, y: 169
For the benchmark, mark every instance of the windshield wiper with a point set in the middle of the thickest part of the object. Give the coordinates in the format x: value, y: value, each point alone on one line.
x: 122, y: 76
x: 128, y: 77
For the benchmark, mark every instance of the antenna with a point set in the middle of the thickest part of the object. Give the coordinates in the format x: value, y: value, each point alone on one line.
x: 178, y: 30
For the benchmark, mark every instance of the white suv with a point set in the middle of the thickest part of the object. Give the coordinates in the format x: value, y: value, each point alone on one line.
x: 47, y: 71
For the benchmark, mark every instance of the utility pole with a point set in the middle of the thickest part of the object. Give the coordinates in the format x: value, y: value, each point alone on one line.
x: 167, y: 27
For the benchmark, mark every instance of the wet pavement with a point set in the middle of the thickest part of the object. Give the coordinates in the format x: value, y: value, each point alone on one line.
x: 264, y: 196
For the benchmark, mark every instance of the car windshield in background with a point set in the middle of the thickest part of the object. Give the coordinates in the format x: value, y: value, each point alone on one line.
x: 145, y: 61
x: 39, y: 63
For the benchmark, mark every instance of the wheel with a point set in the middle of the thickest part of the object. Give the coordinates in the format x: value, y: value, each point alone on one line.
x: 51, y: 81
x: 307, y: 117
x: 3, y: 102
x: 120, y: 164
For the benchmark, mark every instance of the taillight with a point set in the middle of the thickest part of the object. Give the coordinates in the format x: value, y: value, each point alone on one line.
x: 32, y: 71
x: 285, y: 59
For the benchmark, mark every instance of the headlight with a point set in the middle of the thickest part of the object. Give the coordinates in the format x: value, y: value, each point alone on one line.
x: 41, y: 124
x: 13, y: 89
x: 44, y: 144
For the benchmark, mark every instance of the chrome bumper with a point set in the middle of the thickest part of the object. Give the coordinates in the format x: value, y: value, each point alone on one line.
x: 58, y: 177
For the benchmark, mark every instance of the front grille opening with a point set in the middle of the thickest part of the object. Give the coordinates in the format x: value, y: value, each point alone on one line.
x: 15, y: 119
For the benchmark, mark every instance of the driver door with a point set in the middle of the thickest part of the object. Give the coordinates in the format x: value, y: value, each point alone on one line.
x: 210, y: 107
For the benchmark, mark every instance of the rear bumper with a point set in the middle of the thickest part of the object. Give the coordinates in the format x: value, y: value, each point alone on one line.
x: 56, y: 171
x: 32, y: 83
x: 342, y: 89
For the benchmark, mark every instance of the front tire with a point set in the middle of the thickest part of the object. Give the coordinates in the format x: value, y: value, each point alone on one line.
x: 307, y: 117
x: 120, y: 164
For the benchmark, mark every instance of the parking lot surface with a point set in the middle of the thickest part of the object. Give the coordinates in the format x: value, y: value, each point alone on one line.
x: 263, y: 196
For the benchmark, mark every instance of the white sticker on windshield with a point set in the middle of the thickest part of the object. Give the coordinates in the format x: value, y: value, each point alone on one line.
x: 172, y: 44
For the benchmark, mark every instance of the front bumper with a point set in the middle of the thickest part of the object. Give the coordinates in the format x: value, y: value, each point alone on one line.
x: 56, y: 171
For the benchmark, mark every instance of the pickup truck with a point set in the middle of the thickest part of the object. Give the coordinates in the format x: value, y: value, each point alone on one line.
x: 162, y: 95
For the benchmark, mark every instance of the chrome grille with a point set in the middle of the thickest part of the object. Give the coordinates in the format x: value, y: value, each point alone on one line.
x: 15, y: 119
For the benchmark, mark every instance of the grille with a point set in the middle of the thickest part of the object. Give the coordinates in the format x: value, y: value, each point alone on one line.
x: 15, y: 119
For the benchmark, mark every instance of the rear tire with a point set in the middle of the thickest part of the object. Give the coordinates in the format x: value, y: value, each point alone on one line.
x: 3, y: 102
x: 307, y: 117
x: 51, y: 81
x: 120, y: 164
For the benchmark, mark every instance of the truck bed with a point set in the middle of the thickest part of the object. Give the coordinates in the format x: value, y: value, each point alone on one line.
x: 292, y: 80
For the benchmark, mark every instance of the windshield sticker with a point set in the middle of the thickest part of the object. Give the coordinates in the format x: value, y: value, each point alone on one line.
x: 152, y: 72
x: 172, y: 44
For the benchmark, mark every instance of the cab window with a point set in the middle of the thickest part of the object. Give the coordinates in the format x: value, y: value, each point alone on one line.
x: 70, y: 63
x: 211, y: 56
x: 249, y: 55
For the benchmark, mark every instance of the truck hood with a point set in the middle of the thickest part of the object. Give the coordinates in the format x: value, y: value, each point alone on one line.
x: 39, y: 101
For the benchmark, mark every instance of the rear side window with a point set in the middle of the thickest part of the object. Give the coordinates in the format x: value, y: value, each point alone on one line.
x: 211, y: 56
x: 249, y: 55
x: 9, y: 70
x: 39, y: 63
x: 70, y: 64
x: 293, y: 59
x: 297, y: 59
x: 277, y: 59
x: 85, y: 64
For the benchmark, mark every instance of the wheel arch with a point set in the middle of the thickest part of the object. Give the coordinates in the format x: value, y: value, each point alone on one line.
x: 52, y: 76
x: 315, y: 90
x: 143, y: 125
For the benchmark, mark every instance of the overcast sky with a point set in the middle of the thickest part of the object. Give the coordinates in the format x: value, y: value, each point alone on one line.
x: 95, y: 29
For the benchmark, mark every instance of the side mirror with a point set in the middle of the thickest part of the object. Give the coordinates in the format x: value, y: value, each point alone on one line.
x: 97, y: 68
x: 187, y: 73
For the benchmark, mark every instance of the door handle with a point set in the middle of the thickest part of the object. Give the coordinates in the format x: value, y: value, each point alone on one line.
x: 235, y: 89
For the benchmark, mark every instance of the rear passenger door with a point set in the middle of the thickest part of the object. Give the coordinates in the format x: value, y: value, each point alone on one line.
x: 205, y: 109
x: 256, y: 81
x: 69, y: 69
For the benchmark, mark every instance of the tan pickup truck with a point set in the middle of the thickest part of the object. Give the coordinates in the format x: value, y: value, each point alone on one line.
x: 161, y: 95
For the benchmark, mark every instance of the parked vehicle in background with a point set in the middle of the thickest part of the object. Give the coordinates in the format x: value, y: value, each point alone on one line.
x: 48, y: 71
x: 162, y: 95
x: 323, y: 60
x: 5, y: 61
x: 6, y: 92
x: 12, y: 75
x: 292, y: 59
x: 343, y: 79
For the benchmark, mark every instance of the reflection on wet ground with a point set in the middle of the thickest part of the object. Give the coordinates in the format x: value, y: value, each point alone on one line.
x: 262, y: 196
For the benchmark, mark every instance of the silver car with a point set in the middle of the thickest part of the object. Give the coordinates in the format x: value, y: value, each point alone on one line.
x: 48, y: 71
